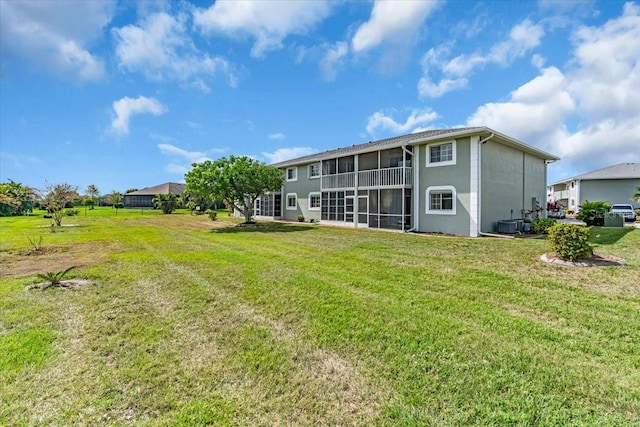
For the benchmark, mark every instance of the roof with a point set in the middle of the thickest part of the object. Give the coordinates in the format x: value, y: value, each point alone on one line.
x: 619, y: 171
x: 415, y: 139
x: 166, y: 188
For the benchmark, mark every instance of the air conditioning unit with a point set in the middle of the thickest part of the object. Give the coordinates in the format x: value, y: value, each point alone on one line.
x: 508, y: 227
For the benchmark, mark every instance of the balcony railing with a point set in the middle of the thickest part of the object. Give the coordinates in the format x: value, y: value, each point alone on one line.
x: 389, y: 177
x: 559, y: 195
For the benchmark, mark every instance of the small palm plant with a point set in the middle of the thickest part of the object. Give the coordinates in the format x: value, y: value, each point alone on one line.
x: 54, y: 278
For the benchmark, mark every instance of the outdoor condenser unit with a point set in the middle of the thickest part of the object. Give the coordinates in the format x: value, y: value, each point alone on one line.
x: 507, y: 227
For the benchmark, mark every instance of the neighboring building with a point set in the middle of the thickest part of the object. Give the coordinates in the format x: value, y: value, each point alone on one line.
x: 614, y: 184
x: 455, y: 181
x: 144, y: 198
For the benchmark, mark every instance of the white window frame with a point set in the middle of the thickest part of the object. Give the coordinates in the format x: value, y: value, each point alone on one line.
x: 295, y: 174
x: 319, y: 196
x: 454, y: 197
x: 295, y: 197
x: 444, y: 163
x: 319, y: 170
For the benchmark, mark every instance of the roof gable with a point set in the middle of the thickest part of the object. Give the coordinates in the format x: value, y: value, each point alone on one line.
x: 166, y: 188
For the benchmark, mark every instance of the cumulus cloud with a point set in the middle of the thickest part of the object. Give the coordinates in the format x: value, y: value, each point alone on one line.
x: 282, y: 154
x: 279, y: 136
x: 160, y: 48
x: 268, y: 23
x: 391, y: 21
x: 190, y: 156
x: 332, y: 60
x: 523, y: 38
x: 415, y: 122
x: 126, y: 108
x: 55, y: 35
x: 599, y: 92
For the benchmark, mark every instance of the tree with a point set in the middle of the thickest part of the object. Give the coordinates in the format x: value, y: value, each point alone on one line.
x: 92, y: 192
x: 130, y: 190
x: 113, y: 199
x: 636, y: 197
x: 167, y: 202
x: 239, y: 181
x: 56, y: 199
x: 15, y: 199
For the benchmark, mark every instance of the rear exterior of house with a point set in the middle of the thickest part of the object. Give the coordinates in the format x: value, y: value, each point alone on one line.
x: 454, y: 181
x: 144, y: 198
x: 613, y: 184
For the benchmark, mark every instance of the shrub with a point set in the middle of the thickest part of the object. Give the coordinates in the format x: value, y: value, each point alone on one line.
x: 592, y: 213
x: 300, y: 218
x: 213, y: 215
x: 542, y: 225
x: 570, y: 241
x: 71, y: 212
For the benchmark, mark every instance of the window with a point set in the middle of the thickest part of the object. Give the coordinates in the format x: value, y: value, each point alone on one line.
x: 292, y: 174
x: 314, y: 201
x: 314, y: 170
x: 441, y: 154
x: 441, y: 200
x: 292, y: 201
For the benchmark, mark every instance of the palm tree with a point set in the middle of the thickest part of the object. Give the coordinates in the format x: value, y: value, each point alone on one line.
x: 167, y: 202
x: 636, y: 197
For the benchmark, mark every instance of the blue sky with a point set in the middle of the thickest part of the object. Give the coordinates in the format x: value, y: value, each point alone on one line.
x: 129, y: 94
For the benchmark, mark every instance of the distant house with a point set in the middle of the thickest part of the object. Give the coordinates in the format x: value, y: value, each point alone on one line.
x: 456, y: 181
x: 144, y: 198
x: 613, y: 184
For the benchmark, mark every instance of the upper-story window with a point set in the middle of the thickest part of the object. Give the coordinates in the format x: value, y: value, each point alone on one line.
x: 314, y: 170
x: 292, y: 174
x: 441, y: 154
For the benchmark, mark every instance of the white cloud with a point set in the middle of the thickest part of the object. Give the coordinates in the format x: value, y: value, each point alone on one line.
x: 127, y: 107
x: 416, y: 120
x: 333, y: 59
x: 160, y: 48
x: 277, y: 136
x: 176, y: 169
x: 55, y: 35
x: 523, y: 37
x: 395, y: 21
x: 190, y: 156
x: 599, y: 92
x: 282, y: 154
x: 269, y: 23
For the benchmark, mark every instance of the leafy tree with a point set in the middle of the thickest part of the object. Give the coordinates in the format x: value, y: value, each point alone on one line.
x: 239, y: 181
x: 57, y: 197
x: 130, y: 190
x: 167, y: 202
x: 93, y: 193
x: 15, y: 199
x: 114, y: 199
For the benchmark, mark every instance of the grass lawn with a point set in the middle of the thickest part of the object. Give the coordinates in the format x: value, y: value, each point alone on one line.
x: 192, y: 322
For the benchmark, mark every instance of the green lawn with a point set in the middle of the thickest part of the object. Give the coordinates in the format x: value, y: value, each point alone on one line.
x: 192, y: 322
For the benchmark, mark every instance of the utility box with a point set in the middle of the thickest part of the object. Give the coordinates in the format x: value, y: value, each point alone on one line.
x: 613, y: 219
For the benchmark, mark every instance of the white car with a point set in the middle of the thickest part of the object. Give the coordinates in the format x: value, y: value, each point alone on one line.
x: 626, y: 210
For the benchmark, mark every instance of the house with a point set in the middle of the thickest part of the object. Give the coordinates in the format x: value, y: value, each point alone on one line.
x: 144, y: 198
x: 457, y: 181
x: 613, y: 184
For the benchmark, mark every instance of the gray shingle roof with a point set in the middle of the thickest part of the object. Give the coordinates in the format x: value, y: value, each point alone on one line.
x: 166, y: 188
x: 619, y: 171
x: 411, y: 139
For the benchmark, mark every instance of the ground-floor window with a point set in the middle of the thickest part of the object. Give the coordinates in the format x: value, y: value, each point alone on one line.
x: 441, y: 200
x: 314, y: 201
x: 268, y: 205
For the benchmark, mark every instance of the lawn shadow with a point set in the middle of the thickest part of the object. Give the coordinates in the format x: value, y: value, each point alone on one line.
x: 608, y: 235
x: 264, y: 227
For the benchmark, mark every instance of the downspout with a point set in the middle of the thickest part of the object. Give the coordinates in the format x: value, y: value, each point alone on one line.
x: 480, y: 144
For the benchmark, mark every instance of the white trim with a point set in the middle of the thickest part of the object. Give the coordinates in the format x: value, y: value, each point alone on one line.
x: 428, y: 162
x: 315, y: 193
x: 295, y: 178
x: 319, y: 170
x: 416, y: 185
x: 454, y: 202
x: 286, y: 202
x: 474, y: 187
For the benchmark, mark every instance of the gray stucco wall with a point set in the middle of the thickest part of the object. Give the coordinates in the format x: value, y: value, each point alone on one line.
x: 610, y: 190
x: 301, y: 187
x: 510, y: 179
x: 458, y: 176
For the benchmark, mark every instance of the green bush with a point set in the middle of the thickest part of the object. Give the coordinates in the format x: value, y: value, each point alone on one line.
x: 570, y: 241
x: 592, y: 213
x: 300, y: 218
x: 213, y: 215
x: 542, y: 225
x: 71, y: 212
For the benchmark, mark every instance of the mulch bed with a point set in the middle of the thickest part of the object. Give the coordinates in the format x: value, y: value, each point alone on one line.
x: 596, y: 260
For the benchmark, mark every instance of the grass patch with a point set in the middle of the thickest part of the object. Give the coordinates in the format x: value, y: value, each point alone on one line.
x: 194, y: 322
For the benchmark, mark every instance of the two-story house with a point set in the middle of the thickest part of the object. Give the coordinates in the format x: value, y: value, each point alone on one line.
x: 454, y: 181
